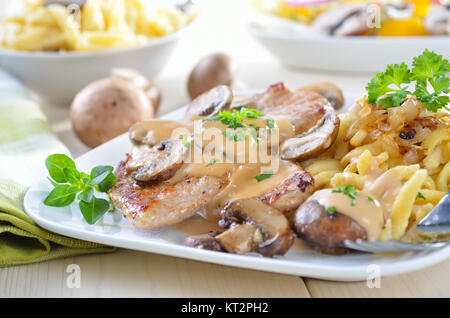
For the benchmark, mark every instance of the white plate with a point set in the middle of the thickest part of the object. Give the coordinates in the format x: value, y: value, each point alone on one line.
x: 300, y: 47
x: 113, y: 230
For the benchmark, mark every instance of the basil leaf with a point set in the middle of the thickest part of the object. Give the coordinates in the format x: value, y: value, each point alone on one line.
x: 107, y: 183
x: 92, y: 211
x: 71, y: 174
x: 86, y: 195
x: 99, y: 173
x: 61, y: 195
x: 56, y: 163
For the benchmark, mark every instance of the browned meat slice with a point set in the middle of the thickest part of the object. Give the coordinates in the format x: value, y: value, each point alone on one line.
x: 291, y: 193
x: 304, y: 108
x: 162, y: 204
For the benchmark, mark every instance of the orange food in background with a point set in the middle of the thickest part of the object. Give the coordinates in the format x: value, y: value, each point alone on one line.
x: 405, y: 27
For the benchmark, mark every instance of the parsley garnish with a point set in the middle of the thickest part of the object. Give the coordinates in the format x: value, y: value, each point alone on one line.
x: 211, y: 162
x: 350, y: 191
x: 390, y: 88
x: 331, y: 209
x: 420, y: 196
x: 263, y: 176
x: 185, y: 142
x: 370, y: 199
x: 235, y: 119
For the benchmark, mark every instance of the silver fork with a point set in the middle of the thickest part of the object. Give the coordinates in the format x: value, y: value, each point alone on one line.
x: 435, y: 224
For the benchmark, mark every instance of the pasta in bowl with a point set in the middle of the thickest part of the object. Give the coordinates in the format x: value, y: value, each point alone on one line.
x: 75, y: 45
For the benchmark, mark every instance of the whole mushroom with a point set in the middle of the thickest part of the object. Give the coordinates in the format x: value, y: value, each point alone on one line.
x: 107, y: 108
x: 211, y: 71
x: 437, y: 21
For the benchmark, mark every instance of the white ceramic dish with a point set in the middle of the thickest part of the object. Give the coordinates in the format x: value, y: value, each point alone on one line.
x: 298, y: 46
x: 113, y: 230
x: 57, y: 77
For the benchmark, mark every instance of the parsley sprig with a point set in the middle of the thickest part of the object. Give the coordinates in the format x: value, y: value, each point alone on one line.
x: 235, y: 119
x: 390, y: 88
x: 68, y: 182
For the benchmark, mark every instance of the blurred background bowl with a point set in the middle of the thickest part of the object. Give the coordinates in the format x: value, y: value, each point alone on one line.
x: 346, y: 54
x: 56, y: 77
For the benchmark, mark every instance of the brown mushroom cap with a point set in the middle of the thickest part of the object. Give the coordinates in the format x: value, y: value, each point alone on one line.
x: 275, y: 236
x: 107, y: 108
x: 330, y: 91
x: 327, y: 232
x: 157, y: 163
x: 211, y: 71
x: 211, y: 102
x: 315, y: 141
x: 150, y: 89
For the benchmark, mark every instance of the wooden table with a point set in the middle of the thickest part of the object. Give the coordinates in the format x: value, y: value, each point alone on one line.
x: 132, y: 273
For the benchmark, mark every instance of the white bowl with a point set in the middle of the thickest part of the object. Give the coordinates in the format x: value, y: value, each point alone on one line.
x: 57, y: 77
x: 349, y: 54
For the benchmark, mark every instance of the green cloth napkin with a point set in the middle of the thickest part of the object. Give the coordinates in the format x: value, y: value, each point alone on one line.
x: 26, y: 139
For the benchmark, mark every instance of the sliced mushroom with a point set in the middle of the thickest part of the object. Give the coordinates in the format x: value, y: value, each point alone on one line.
x: 350, y: 19
x: 204, y: 241
x: 269, y: 233
x: 326, y: 232
x: 157, y: 163
x: 211, y: 102
x: 315, y: 141
x: 330, y: 91
x: 437, y: 21
x: 239, y: 239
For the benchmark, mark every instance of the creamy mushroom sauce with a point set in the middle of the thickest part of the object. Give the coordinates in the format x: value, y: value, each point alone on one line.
x: 371, y: 215
x: 242, y: 183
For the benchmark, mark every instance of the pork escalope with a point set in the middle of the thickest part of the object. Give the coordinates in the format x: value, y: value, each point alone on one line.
x: 163, y: 203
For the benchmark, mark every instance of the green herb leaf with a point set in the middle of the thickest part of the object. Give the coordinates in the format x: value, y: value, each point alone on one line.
x: 56, y: 163
x: 99, y: 173
x: 263, y: 176
x: 331, y: 209
x: 186, y: 142
x: 386, y: 89
x: 86, y: 195
x: 211, y: 162
x: 420, y: 196
x: 92, y: 211
x: 71, y: 174
x: 271, y: 124
x: 348, y: 190
x: 61, y: 195
x: 430, y: 70
x: 371, y: 199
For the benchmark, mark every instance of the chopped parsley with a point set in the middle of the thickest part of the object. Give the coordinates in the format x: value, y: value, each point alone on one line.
x: 211, y: 162
x: 263, y: 176
x: 420, y: 196
x: 348, y: 190
x: 370, y: 199
x: 331, y: 209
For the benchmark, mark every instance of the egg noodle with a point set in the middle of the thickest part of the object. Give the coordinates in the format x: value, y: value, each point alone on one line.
x: 407, y: 141
x: 99, y: 24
